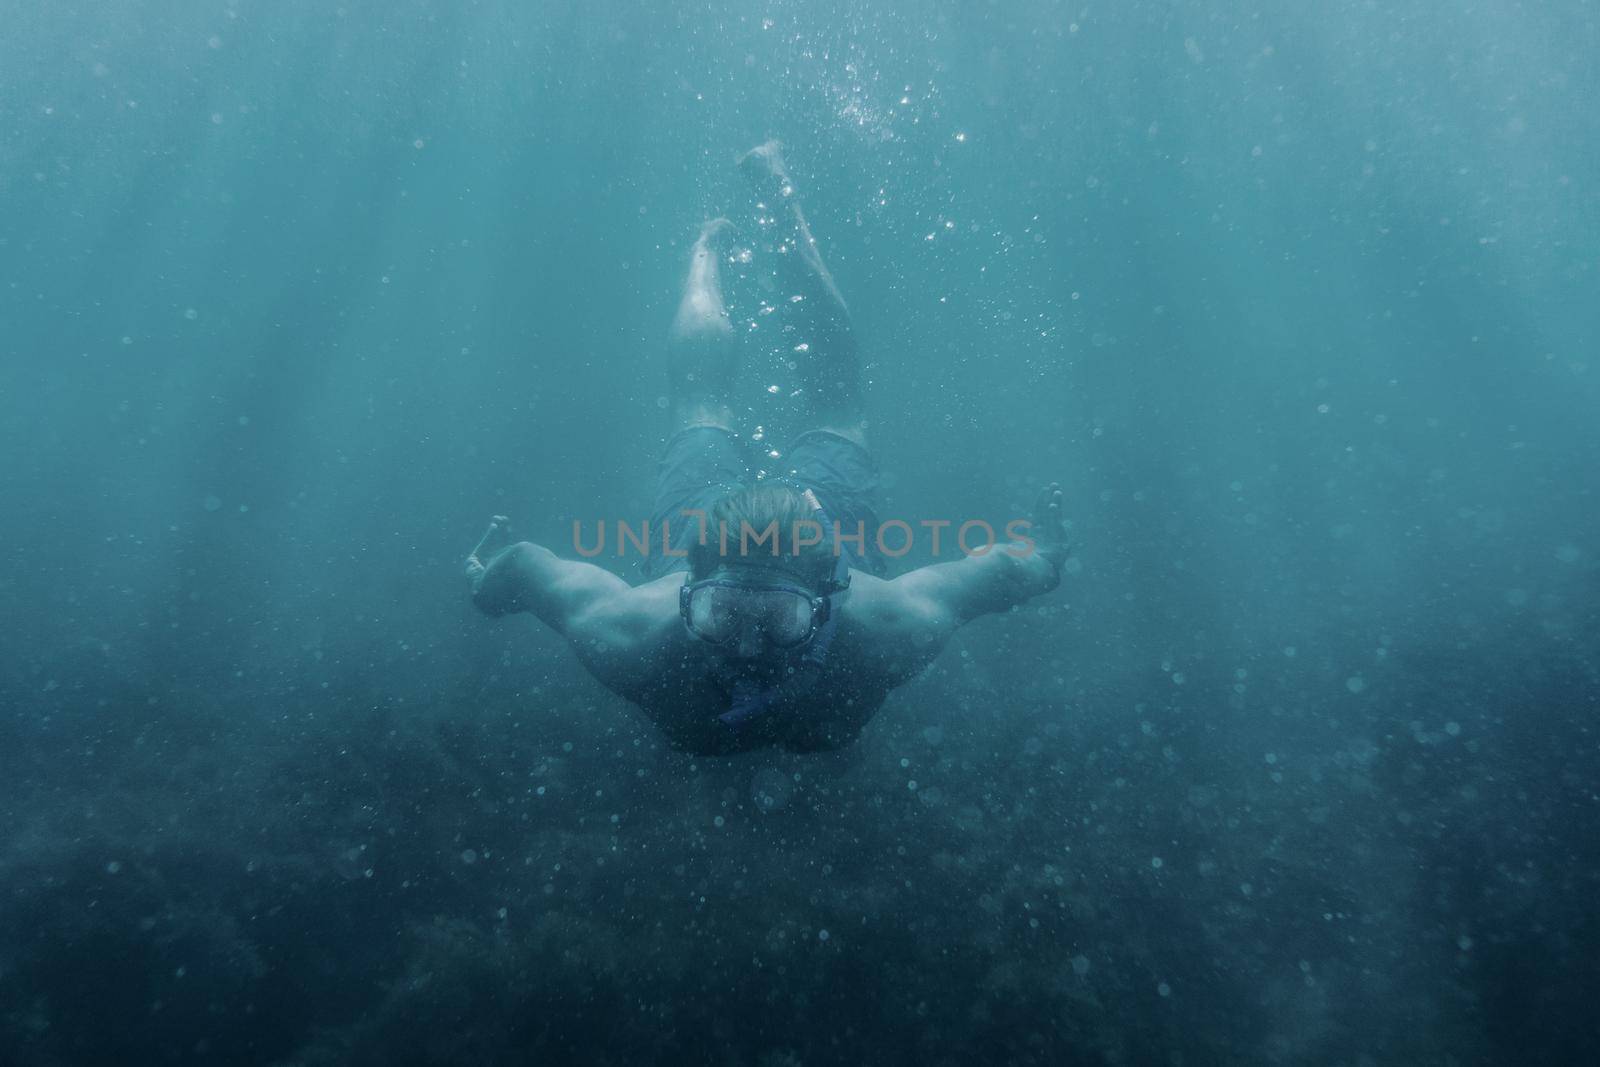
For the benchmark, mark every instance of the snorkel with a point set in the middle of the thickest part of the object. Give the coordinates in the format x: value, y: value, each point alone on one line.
x: 767, y: 625
x: 770, y: 633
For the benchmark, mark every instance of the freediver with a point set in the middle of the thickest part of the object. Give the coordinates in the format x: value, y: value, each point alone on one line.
x: 798, y: 642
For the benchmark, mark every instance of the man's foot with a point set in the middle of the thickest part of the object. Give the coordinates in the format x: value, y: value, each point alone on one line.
x: 715, y: 236
x: 496, y: 538
x: 763, y: 168
x: 702, y: 315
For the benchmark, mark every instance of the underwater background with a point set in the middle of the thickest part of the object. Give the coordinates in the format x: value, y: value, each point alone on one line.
x: 1299, y: 303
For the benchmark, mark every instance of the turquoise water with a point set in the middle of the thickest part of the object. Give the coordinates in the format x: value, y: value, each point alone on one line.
x: 1298, y: 305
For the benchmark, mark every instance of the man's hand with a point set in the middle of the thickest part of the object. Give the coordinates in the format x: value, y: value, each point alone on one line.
x: 930, y: 602
x: 1050, y: 530
x: 496, y: 538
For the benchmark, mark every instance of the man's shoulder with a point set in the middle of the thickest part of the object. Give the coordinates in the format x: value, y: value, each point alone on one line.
x: 892, y: 628
x: 879, y: 603
x: 632, y: 617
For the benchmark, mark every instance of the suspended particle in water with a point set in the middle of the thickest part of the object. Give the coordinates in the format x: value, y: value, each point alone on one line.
x: 1355, y: 683
x: 191, y: 314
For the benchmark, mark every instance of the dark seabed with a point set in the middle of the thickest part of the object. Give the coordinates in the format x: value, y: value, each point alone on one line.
x: 1301, y: 305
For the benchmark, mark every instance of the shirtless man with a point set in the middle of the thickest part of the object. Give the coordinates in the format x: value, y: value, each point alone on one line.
x: 752, y: 647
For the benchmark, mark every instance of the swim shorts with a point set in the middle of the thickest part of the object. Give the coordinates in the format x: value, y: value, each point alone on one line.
x: 702, y: 464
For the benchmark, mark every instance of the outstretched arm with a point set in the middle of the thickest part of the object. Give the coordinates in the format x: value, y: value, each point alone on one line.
x: 952, y: 594
x: 508, y: 578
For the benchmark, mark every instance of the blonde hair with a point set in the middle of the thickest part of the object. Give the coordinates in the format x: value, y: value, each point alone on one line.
x: 761, y: 523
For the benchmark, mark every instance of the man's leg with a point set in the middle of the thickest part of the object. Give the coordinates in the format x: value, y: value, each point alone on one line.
x: 702, y: 349
x: 822, y: 342
x: 703, y: 460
